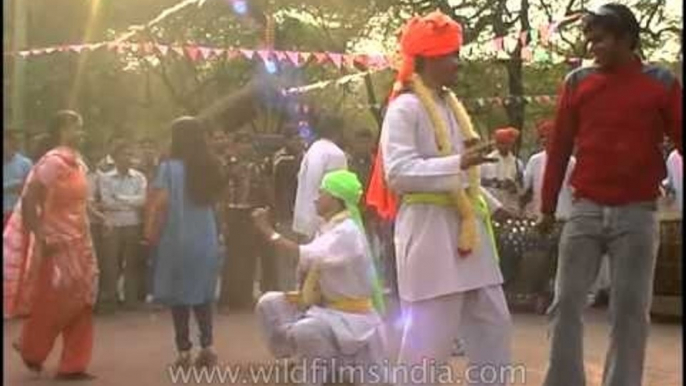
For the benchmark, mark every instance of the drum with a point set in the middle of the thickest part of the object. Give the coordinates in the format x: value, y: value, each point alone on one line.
x: 527, y: 261
x: 668, y: 266
x: 667, y: 290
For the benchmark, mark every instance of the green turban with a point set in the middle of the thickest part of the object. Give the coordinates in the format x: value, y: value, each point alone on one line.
x: 345, y: 186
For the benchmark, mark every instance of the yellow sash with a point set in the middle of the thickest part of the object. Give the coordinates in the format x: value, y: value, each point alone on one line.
x: 442, y: 199
x: 352, y: 305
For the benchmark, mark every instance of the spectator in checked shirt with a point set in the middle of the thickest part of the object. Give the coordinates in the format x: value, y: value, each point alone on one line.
x: 122, y: 192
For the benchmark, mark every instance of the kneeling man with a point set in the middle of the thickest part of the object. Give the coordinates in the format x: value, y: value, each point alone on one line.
x: 332, y: 319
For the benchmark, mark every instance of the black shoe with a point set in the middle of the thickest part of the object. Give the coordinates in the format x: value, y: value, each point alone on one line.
x: 80, y: 376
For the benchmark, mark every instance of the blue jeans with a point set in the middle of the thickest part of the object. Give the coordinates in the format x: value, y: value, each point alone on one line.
x: 629, y: 234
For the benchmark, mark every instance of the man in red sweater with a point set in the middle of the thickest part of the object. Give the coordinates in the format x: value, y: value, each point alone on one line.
x: 613, y: 116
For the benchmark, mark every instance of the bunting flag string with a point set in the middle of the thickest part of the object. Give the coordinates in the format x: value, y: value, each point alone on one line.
x: 296, y: 58
x: 533, y: 48
x: 488, y: 101
x: 197, y: 52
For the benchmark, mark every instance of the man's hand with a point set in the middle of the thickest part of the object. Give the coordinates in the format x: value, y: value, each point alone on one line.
x: 476, y: 154
x: 545, y: 223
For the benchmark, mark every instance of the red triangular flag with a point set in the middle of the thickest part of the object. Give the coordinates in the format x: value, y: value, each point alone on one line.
x: 280, y: 56
x: 498, y: 43
x: 193, y: 52
x: 362, y: 59
x: 264, y: 54
x: 293, y: 57
x: 337, y: 59
x: 321, y: 57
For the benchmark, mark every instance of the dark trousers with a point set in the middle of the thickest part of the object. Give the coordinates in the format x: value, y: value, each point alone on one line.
x: 122, y: 255
x: 244, y: 245
x: 182, y: 316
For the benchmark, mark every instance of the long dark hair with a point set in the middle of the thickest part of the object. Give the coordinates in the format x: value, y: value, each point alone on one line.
x: 203, y: 177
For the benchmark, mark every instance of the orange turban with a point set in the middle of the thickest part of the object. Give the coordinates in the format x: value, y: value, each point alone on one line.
x: 544, y: 128
x: 435, y: 34
x: 506, y: 135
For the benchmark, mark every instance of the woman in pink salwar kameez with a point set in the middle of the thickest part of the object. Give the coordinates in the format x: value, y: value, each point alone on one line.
x: 50, y: 270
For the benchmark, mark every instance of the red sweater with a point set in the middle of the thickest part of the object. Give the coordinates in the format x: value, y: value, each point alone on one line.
x: 615, y: 122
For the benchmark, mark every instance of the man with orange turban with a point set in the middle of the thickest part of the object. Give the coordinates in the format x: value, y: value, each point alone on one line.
x: 506, y: 172
x: 449, y: 279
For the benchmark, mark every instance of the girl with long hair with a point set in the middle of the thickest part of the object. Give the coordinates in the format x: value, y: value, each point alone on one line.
x: 183, y: 194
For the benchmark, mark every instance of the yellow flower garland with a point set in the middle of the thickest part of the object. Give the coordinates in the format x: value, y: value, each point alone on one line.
x: 462, y: 200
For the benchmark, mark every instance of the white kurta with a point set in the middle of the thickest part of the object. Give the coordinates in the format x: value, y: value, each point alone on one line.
x: 506, y: 168
x: 322, y: 157
x: 346, y: 271
x: 675, y: 176
x: 533, y: 179
x: 426, y: 235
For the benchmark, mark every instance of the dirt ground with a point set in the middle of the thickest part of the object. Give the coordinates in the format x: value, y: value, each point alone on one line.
x: 134, y: 348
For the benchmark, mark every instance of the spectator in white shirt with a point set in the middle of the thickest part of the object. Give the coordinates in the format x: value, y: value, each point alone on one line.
x: 323, y: 156
x: 122, y: 192
x: 533, y: 179
x: 675, y: 177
